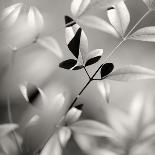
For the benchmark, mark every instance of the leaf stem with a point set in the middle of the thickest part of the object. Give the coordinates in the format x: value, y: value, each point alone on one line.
x: 86, y: 72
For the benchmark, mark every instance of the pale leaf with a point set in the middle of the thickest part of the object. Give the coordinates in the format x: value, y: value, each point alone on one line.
x: 150, y: 3
x: 52, y: 45
x: 93, y: 128
x: 144, y: 34
x: 131, y: 72
x: 33, y: 121
x: 53, y: 146
x: 79, y: 6
x: 119, y: 17
x: 7, y: 128
x: 98, y: 23
x: 104, y: 89
x: 64, y: 135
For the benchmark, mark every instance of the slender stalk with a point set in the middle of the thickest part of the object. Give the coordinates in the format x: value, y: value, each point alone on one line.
x: 9, y: 104
x: 87, y: 72
x: 92, y: 78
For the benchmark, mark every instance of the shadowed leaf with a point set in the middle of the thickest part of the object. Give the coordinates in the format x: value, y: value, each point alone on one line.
x: 68, y: 64
x: 106, y: 69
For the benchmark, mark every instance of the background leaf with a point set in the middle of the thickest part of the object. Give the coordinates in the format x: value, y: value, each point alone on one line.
x: 78, y: 7
x: 51, y: 44
x: 119, y: 17
x: 131, y: 72
x: 98, y: 23
x: 150, y: 3
x: 144, y: 34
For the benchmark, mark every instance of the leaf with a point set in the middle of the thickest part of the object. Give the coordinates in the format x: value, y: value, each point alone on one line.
x: 12, y: 13
x: 131, y: 72
x: 78, y: 7
x: 33, y: 121
x: 119, y: 17
x: 64, y: 135
x: 35, y: 19
x: 93, y: 128
x: 71, y: 30
x: 53, y: 146
x: 150, y: 3
x: 106, y: 69
x: 7, y: 128
x: 104, y: 89
x: 31, y: 93
x: 144, y: 34
x: 74, y: 44
x: 51, y: 44
x: 68, y: 64
x: 98, y: 23
x: 73, y: 114
x: 93, y: 57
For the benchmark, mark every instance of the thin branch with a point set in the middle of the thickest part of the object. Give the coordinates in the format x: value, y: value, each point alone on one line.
x: 87, y: 72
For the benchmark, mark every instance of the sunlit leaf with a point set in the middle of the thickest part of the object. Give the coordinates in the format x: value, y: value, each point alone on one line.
x: 64, y: 135
x: 98, y: 23
x: 51, y: 44
x: 119, y: 17
x: 53, y: 146
x: 74, y: 44
x: 93, y: 128
x: 71, y: 30
x: 78, y: 7
x: 144, y: 34
x: 131, y: 72
x: 104, y: 89
x: 93, y: 57
x: 7, y: 128
x: 12, y: 13
x: 73, y: 114
x: 106, y: 69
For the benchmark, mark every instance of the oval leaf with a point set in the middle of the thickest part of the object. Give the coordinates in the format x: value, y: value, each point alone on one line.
x: 74, y: 44
x: 144, y: 34
x: 132, y: 72
x: 93, y: 128
x: 119, y: 17
x: 93, y: 57
x: 79, y: 6
x: 98, y: 23
x: 106, y: 69
x: 68, y: 64
x: 51, y: 44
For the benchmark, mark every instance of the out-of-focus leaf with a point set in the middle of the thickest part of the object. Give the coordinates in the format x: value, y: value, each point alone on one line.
x: 73, y: 114
x: 64, y: 135
x: 93, y: 128
x: 93, y: 57
x: 104, y: 89
x: 79, y: 7
x: 35, y: 19
x: 119, y: 17
x: 104, y: 4
x: 74, y: 44
x: 51, y: 44
x: 144, y: 34
x: 33, y: 121
x: 7, y: 128
x: 71, y: 30
x: 98, y: 23
x: 31, y: 93
x: 132, y: 72
x: 12, y: 13
x: 150, y: 3
x: 106, y: 69
x: 53, y: 147
x: 68, y: 64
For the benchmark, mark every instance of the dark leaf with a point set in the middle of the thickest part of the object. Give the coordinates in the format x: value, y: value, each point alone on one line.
x: 92, y: 60
x: 77, y: 67
x: 69, y: 21
x: 74, y: 44
x: 68, y: 64
x: 106, y: 69
x: 79, y: 107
